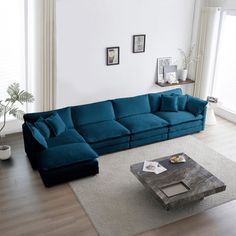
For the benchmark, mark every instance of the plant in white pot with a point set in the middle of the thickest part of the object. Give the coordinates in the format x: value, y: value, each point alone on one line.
x: 10, y: 107
x: 187, y: 59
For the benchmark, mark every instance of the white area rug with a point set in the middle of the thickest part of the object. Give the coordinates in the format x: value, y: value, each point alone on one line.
x: 118, y: 204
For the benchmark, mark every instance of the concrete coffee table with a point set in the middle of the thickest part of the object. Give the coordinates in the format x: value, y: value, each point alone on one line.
x: 181, y: 183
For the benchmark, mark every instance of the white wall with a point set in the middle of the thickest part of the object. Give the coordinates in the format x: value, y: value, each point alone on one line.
x: 86, y: 27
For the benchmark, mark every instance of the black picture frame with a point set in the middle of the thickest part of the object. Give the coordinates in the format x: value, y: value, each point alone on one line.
x: 112, y: 56
x: 139, y: 43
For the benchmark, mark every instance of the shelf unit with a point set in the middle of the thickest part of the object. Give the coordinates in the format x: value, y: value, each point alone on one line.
x: 187, y: 81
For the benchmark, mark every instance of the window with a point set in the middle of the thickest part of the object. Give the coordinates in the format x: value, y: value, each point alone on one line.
x: 224, y: 87
x: 12, y: 44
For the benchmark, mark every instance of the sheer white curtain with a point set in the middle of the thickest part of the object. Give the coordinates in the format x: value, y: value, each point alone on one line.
x: 206, y: 49
x: 49, y: 55
x: 41, y: 53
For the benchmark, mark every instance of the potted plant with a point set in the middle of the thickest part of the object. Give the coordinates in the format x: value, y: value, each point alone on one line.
x: 187, y: 59
x: 9, y: 107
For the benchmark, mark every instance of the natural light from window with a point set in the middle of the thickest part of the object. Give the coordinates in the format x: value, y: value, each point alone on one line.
x: 12, y: 44
x: 225, y: 74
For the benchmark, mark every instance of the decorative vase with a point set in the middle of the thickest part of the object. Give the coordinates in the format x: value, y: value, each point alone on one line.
x: 183, y: 74
x: 5, y: 152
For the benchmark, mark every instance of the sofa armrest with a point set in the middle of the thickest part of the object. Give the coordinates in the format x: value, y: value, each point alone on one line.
x: 195, y: 105
x: 204, y: 117
x: 31, y: 148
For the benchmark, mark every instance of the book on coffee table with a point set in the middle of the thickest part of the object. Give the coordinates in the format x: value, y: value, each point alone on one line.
x: 153, y: 166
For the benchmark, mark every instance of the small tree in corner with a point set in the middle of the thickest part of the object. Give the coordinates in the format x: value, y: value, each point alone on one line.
x: 10, y: 107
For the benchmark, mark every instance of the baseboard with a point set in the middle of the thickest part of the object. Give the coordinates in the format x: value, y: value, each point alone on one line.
x: 230, y: 116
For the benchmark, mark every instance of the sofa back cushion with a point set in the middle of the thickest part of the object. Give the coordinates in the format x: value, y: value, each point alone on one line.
x: 155, y: 98
x: 64, y: 113
x: 42, y: 126
x: 37, y: 136
x: 124, y: 107
x: 169, y: 103
x: 56, y: 124
x: 182, y: 101
x: 92, y: 113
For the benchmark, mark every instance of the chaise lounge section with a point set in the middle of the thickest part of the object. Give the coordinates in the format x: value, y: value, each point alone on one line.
x: 64, y: 144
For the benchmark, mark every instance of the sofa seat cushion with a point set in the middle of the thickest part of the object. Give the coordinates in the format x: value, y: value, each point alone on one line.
x: 65, y: 155
x: 68, y: 137
x: 186, y: 125
x: 149, y: 133
x: 174, y: 118
x: 142, y: 123
x: 110, y: 142
x: 148, y: 140
x: 101, y: 131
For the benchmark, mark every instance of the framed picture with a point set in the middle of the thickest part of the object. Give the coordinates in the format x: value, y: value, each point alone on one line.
x: 113, y: 56
x: 170, y: 74
x: 139, y: 43
x: 161, y: 63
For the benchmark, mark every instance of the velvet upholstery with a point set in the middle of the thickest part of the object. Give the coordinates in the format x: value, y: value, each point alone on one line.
x: 182, y: 101
x: 186, y: 131
x: 124, y: 107
x: 106, y: 127
x: 64, y: 113
x: 69, y: 173
x: 113, y: 148
x: 169, y: 103
x: 142, y: 123
x: 195, y: 105
x: 101, y: 131
x: 56, y: 124
x: 42, y: 126
x: 110, y: 142
x: 32, y: 147
x: 65, y: 155
x: 67, y: 137
x: 92, y: 113
x: 187, y: 125
x: 37, y: 136
x: 148, y: 140
x: 149, y: 133
x: 174, y: 118
x: 155, y: 98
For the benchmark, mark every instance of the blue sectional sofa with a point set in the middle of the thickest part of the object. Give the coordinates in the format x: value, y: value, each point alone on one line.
x: 64, y: 144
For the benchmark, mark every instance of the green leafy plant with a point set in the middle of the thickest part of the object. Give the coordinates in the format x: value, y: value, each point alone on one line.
x: 188, y: 57
x: 9, y: 106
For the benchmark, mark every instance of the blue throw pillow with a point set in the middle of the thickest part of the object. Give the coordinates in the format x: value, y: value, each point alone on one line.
x: 41, y: 125
x: 195, y: 105
x: 56, y: 124
x: 182, y: 101
x: 37, y: 136
x: 169, y: 103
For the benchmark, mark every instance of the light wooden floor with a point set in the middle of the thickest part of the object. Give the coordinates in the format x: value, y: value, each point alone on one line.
x: 28, y: 208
